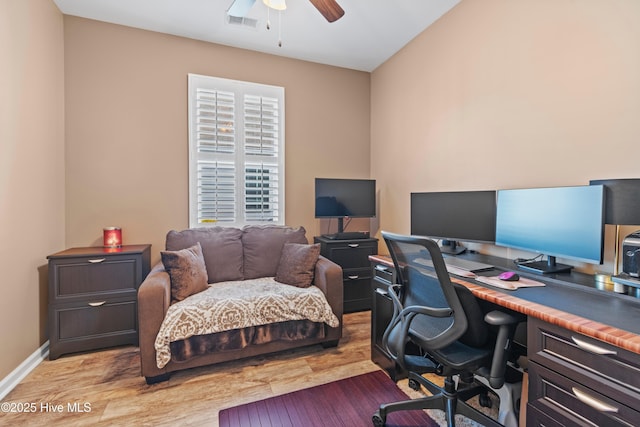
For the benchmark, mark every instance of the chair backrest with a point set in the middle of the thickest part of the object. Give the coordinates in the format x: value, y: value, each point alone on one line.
x: 421, y: 270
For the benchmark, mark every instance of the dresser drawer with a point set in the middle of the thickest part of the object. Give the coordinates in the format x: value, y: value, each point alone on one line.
x: 352, y: 255
x: 81, y: 326
x: 574, y: 404
x: 91, y: 276
x: 96, y: 318
x: 357, y: 294
x: 356, y: 274
x: 611, y: 370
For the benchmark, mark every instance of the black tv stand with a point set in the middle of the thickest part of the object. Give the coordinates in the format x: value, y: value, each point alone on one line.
x: 545, y: 267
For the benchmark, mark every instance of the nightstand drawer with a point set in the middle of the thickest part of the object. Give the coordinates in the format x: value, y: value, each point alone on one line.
x: 85, y: 277
x: 357, y: 294
x: 80, y: 326
x: 356, y: 274
x: 96, y: 318
x: 353, y: 255
x: 561, y: 397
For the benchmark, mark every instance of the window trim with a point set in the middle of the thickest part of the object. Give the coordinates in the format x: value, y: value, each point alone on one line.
x: 240, y: 159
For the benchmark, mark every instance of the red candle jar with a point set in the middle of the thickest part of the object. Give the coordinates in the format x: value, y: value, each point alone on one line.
x: 112, y: 237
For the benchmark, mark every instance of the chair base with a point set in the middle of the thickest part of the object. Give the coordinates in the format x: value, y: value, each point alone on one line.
x: 446, y: 399
x: 508, y: 394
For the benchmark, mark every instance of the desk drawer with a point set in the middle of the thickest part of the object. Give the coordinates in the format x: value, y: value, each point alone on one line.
x: 611, y: 370
x: 574, y: 404
x: 384, y: 274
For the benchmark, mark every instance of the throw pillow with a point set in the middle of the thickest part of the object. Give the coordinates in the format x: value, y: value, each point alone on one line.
x: 221, y: 249
x: 186, y: 270
x: 262, y: 245
x: 297, y: 264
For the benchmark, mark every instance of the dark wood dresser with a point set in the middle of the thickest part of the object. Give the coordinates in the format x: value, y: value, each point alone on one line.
x: 353, y: 256
x: 93, y: 297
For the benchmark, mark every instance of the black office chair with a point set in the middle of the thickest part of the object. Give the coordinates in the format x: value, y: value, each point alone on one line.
x: 439, y: 327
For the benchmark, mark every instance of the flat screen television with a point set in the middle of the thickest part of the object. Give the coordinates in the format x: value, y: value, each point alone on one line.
x: 468, y: 216
x: 340, y: 198
x: 565, y: 222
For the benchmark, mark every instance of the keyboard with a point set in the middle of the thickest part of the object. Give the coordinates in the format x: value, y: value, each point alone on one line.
x: 450, y: 269
x: 466, y: 265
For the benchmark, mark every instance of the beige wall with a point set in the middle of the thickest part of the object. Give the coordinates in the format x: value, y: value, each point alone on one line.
x: 505, y: 94
x: 126, y: 109
x: 32, y: 194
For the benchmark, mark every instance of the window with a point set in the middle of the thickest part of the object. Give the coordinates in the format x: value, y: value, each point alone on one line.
x: 236, y: 152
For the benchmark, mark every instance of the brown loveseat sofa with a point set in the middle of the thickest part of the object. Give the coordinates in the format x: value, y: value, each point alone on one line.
x: 232, y: 254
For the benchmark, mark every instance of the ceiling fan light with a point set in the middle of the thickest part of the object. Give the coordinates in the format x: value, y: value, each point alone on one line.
x: 275, y: 4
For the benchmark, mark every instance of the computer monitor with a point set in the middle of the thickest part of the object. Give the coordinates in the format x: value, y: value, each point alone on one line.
x: 468, y: 216
x: 340, y: 198
x: 565, y: 222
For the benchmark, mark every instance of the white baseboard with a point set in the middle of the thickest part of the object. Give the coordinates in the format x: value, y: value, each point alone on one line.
x: 13, y: 379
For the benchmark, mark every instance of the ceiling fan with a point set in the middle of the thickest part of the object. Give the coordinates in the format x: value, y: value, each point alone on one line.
x: 330, y: 9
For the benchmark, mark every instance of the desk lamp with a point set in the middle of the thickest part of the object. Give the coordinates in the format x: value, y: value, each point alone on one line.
x: 622, y: 207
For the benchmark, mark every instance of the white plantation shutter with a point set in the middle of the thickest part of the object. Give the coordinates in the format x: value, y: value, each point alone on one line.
x: 236, y: 152
x: 261, y: 193
x: 216, y: 191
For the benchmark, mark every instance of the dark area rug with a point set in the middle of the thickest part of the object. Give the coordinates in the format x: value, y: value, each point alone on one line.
x: 350, y: 402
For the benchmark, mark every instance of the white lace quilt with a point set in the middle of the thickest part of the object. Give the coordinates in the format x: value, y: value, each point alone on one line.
x: 233, y: 305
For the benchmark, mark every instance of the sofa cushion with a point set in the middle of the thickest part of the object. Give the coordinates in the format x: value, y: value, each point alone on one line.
x: 186, y: 270
x: 297, y: 264
x: 263, y: 246
x: 221, y: 249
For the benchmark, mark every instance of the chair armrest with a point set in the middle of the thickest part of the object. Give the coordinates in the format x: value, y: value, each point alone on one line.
x: 499, y: 318
x: 328, y: 277
x: 154, y: 298
x: 507, y: 324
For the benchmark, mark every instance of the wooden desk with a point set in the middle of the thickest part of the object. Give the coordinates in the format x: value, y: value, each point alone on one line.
x: 559, y: 315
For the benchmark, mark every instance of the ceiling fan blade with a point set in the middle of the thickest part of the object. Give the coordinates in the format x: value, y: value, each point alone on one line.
x: 240, y: 8
x: 330, y: 9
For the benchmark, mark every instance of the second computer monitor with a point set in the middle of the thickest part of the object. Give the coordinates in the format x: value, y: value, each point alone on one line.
x: 468, y: 216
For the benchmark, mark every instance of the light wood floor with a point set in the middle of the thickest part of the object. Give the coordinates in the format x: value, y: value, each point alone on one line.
x: 110, y: 382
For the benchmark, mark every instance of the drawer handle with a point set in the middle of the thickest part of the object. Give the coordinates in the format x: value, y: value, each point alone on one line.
x: 382, y: 292
x: 353, y: 277
x: 592, y: 347
x: 382, y: 268
x: 96, y: 260
x: 97, y: 304
x: 354, y: 245
x: 593, y: 402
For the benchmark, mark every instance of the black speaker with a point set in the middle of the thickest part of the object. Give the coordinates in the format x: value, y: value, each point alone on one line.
x: 631, y: 254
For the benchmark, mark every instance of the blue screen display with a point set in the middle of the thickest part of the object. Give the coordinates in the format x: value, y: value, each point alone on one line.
x: 562, y: 221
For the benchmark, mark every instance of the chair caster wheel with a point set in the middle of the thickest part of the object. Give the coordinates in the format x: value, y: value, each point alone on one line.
x: 414, y: 385
x: 377, y: 419
x: 484, y: 400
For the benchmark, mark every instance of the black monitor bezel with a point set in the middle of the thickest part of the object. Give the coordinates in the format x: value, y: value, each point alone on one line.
x: 365, y: 184
x: 465, y: 211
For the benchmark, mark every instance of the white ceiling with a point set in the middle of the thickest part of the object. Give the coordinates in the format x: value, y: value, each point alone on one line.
x: 369, y: 33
